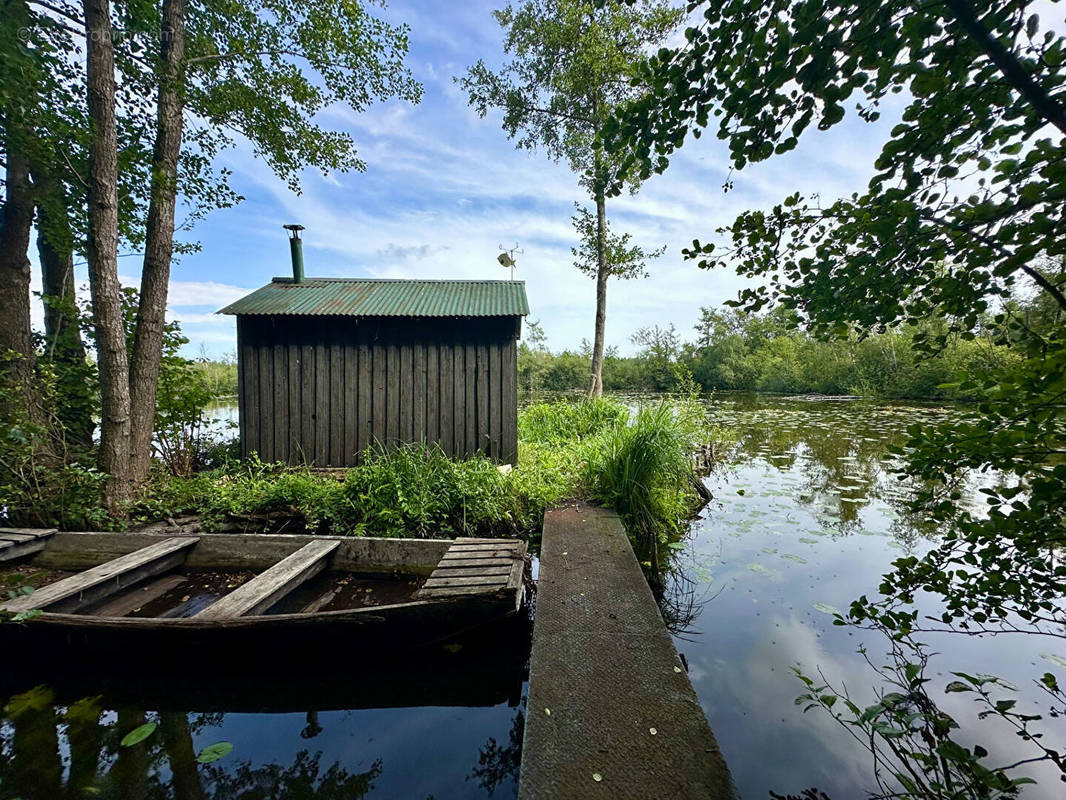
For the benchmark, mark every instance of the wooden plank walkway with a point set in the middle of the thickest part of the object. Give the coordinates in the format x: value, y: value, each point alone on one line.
x: 268, y: 587
x: 611, y: 711
x: 93, y: 584
x: 20, y: 542
x: 477, y: 566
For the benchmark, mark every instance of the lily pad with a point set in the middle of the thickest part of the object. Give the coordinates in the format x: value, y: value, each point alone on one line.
x: 213, y: 752
x: 791, y: 557
x: 139, y: 734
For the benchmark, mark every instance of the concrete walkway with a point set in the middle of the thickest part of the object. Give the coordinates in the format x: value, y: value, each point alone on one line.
x: 611, y: 710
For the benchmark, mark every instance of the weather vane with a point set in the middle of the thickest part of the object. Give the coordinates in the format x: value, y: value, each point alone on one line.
x: 506, y: 258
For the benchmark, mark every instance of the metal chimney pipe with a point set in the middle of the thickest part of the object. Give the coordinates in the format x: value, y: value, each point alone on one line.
x: 296, y: 250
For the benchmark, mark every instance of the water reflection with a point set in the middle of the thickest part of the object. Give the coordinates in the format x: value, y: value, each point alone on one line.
x: 445, y: 723
x: 807, y: 516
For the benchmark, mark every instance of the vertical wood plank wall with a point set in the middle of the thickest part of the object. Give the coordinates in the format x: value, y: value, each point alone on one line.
x: 320, y: 390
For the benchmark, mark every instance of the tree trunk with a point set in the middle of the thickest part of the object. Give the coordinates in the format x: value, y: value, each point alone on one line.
x: 16, y: 342
x: 159, y: 242
x: 596, y: 383
x: 177, y: 742
x: 103, y: 256
x: 63, y: 343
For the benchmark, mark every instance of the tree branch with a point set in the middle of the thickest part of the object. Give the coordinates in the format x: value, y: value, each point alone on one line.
x: 1048, y: 108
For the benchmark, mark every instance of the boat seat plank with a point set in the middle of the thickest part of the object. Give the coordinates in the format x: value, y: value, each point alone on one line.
x: 22, y: 542
x: 497, y: 561
x: 466, y: 580
x: 489, y: 567
x: 458, y: 591
x: 451, y: 572
x: 105, y: 579
x: 267, y: 588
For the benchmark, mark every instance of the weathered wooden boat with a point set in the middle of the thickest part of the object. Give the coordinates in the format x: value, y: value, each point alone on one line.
x: 256, y: 596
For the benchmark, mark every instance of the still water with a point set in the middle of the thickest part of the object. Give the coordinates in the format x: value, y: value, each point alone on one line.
x: 806, y: 518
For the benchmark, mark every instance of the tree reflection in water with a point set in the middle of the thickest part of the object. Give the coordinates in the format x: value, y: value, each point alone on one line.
x: 50, y: 752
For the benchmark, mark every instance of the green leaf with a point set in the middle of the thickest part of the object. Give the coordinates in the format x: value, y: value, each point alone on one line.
x: 214, y: 752
x: 139, y: 734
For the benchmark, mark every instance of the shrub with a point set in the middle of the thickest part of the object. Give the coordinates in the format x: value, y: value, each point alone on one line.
x: 416, y: 490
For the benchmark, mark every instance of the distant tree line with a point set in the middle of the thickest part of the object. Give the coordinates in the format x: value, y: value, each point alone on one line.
x: 768, y: 352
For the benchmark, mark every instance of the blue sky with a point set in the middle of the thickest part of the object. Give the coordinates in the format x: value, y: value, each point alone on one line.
x: 444, y: 188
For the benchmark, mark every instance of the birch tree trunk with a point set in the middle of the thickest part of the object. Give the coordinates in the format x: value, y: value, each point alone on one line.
x: 159, y: 241
x: 596, y: 382
x: 103, y: 256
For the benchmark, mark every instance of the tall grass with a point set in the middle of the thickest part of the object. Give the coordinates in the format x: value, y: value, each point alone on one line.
x: 565, y: 421
x: 643, y: 471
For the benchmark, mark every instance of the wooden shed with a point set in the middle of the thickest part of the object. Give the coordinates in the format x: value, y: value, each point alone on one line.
x: 330, y: 366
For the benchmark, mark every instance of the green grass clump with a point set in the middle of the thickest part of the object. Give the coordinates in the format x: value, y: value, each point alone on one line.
x: 642, y: 471
x: 563, y: 421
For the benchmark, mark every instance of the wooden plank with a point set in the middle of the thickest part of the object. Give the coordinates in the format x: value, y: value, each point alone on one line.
x: 445, y: 405
x: 365, y: 389
x: 392, y: 394
x: 265, y: 353
x: 436, y: 582
x: 495, y: 399
x: 351, y: 377
x: 378, y: 432
x: 282, y: 415
x: 292, y: 365
x: 22, y: 535
x: 336, y: 404
x: 419, y: 431
x: 137, y: 597
x: 509, y: 407
x: 266, y: 588
x: 307, y: 403
x: 484, y: 419
x: 10, y: 551
x: 477, y: 562
x: 71, y: 593
x: 468, y: 407
x: 481, y: 547
x: 321, y: 413
x: 452, y: 591
x: 250, y: 383
x: 407, y: 401
x: 432, y: 392
x: 452, y: 572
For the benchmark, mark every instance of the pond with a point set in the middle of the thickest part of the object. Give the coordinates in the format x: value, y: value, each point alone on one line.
x: 806, y: 518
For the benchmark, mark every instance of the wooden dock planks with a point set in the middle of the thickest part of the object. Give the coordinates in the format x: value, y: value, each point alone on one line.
x: 477, y: 566
x: 19, y: 542
x: 94, y: 584
x: 267, y: 588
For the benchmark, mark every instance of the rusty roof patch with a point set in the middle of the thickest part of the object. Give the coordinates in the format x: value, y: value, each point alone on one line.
x: 381, y: 297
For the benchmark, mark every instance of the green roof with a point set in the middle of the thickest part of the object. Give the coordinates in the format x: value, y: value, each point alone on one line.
x: 380, y: 297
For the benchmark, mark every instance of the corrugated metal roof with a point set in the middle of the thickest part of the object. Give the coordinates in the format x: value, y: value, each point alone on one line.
x: 380, y: 297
